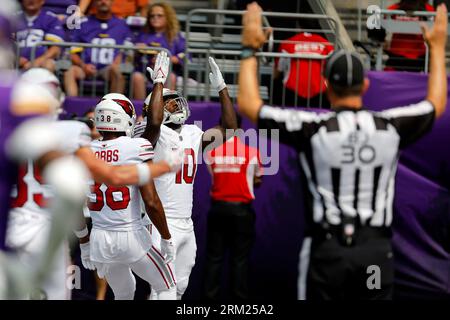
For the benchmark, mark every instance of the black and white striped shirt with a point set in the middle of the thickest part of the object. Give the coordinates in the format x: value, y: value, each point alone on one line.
x: 350, y: 156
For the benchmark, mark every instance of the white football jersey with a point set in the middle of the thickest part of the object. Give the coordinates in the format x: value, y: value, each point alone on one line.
x: 176, y: 189
x: 118, y: 208
x: 31, y: 194
x: 73, y: 135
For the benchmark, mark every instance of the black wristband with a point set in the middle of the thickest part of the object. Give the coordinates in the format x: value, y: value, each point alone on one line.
x: 247, y: 52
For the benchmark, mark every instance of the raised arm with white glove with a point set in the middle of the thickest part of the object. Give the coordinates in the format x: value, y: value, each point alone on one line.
x: 228, y: 115
x: 215, y: 76
x: 160, y: 71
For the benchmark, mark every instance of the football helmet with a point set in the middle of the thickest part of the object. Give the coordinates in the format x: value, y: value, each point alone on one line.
x: 181, y: 112
x: 115, y: 113
x: 50, y: 84
x: 116, y: 96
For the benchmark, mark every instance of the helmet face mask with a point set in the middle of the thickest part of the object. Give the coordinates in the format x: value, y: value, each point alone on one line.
x: 177, y: 114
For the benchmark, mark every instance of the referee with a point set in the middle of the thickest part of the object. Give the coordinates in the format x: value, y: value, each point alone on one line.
x: 349, y: 157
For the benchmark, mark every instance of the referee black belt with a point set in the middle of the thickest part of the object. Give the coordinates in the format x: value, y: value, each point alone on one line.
x: 350, y: 235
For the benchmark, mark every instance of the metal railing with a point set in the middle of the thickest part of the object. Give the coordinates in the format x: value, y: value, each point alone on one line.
x: 393, y: 26
x: 225, y: 47
x: 406, y: 27
x: 126, y: 67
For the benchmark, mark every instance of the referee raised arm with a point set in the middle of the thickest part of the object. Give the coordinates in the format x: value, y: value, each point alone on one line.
x: 349, y: 157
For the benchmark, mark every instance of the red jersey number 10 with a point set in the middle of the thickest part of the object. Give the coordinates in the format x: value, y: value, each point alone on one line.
x: 187, y: 174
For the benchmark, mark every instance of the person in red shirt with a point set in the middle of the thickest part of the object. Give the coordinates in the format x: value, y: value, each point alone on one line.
x: 235, y: 168
x: 407, y: 51
x: 126, y: 8
x: 302, y: 76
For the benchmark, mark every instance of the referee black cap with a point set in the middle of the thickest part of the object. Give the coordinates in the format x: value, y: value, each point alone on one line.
x: 344, y: 69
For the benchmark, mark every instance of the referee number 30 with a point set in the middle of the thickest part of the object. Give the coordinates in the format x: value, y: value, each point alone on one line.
x: 365, y: 154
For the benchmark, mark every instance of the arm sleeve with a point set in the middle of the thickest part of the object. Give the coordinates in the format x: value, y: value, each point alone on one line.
x: 55, y: 31
x: 73, y: 135
x: 145, y: 150
x: 84, y: 139
x: 138, y: 130
x: 293, y: 126
x: 411, y: 122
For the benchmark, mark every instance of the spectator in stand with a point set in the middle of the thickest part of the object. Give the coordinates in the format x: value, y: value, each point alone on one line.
x: 407, y: 51
x: 103, y: 28
x: 38, y: 25
x: 126, y: 8
x: 302, y: 77
x: 162, y: 30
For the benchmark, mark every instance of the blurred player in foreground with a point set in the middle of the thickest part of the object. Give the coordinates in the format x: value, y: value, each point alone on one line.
x: 20, y: 103
x: 30, y: 220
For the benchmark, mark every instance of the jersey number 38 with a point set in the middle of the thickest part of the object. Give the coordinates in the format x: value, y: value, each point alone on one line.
x: 108, y: 197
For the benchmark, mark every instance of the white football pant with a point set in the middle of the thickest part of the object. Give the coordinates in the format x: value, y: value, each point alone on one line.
x: 183, y: 235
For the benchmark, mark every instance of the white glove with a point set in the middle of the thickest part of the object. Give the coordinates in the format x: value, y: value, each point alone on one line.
x: 86, y: 256
x: 67, y: 176
x: 215, y: 77
x: 161, y: 68
x: 168, y: 250
x: 174, y: 158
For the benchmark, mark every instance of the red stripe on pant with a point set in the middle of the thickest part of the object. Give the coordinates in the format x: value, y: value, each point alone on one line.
x: 160, y: 272
x: 168, y: 266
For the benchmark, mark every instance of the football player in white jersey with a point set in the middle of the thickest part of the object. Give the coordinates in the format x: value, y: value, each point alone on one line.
x: 64, y: 173
x: 120, y: 243
x: 166, y: 112
x: 30, y: 220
